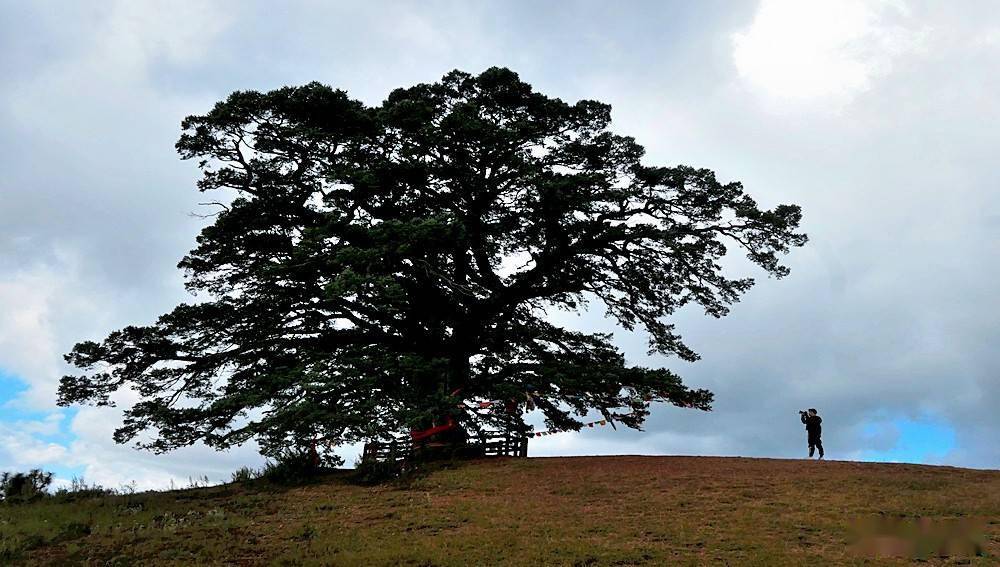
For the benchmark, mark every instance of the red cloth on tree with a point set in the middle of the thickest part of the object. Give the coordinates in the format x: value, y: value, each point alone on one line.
x: 418, y: 435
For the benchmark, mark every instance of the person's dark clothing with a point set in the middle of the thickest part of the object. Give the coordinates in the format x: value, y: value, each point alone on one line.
x: 814, y: 429
x: 814, y: 425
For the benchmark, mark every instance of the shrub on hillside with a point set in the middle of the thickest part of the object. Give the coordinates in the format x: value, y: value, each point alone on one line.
x: 377, y: 472
x: 297, y: 466
x: 78, y: 489
x: 245, y: 475
x: 17, y: 488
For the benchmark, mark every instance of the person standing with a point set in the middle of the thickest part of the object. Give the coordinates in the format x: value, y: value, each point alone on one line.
x: 814, y: 430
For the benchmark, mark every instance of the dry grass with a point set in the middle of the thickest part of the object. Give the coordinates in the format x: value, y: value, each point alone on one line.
x: 554, y: 511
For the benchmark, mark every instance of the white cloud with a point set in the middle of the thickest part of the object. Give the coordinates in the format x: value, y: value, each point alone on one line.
x: 19, y: 450
x: 49, y: 425
x: 27, y: 342
x: 108, y: 464
x: 40, y: 304
x: 807, y: 51
x: 179, y: 32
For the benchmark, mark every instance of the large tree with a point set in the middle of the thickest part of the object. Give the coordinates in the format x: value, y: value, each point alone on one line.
x: 371, y: 268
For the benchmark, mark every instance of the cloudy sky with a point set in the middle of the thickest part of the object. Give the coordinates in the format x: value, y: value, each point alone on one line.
x: 879, y: 118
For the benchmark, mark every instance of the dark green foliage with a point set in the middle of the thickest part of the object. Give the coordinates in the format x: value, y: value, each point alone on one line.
x: 378, y: 267
x: 297, y: 466
x: 245, y: 475
x: 10, y: 551
x: 73, y: 530
x: 376, y: 471
x: 79, y: 490
x: 305, y: 534
x: 18, y: 488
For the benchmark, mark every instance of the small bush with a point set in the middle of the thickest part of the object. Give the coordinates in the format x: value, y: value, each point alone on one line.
x: 245, y: 475
x: 297, y: 466
x: 10, y: 551
x: 305, y: 534
x: 73, y: 530
x: 377, y: 472
x: 13, y: 550
x: 290, y: 467
x: 199, y: 482
x: 32, y: 541
x: 79, y: 489
x: 17, y: 488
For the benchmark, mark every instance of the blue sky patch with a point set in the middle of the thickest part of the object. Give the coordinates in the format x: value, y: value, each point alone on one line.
x: 924, y: 440
x: 48, y: 426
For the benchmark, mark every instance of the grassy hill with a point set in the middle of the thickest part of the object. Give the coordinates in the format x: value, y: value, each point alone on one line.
x: 558, y: 511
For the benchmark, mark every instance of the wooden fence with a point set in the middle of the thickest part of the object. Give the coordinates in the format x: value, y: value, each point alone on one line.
x: 505, y: 446
x: 493, y: 445
x: 384, y: 451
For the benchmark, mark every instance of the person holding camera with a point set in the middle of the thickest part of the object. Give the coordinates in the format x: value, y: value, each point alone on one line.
x: 814, y: 430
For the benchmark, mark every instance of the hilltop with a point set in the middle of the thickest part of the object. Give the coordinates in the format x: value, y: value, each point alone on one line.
x: 562, y: 511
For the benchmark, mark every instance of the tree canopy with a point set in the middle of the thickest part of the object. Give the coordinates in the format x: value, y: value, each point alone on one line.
x: 372, y: 267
